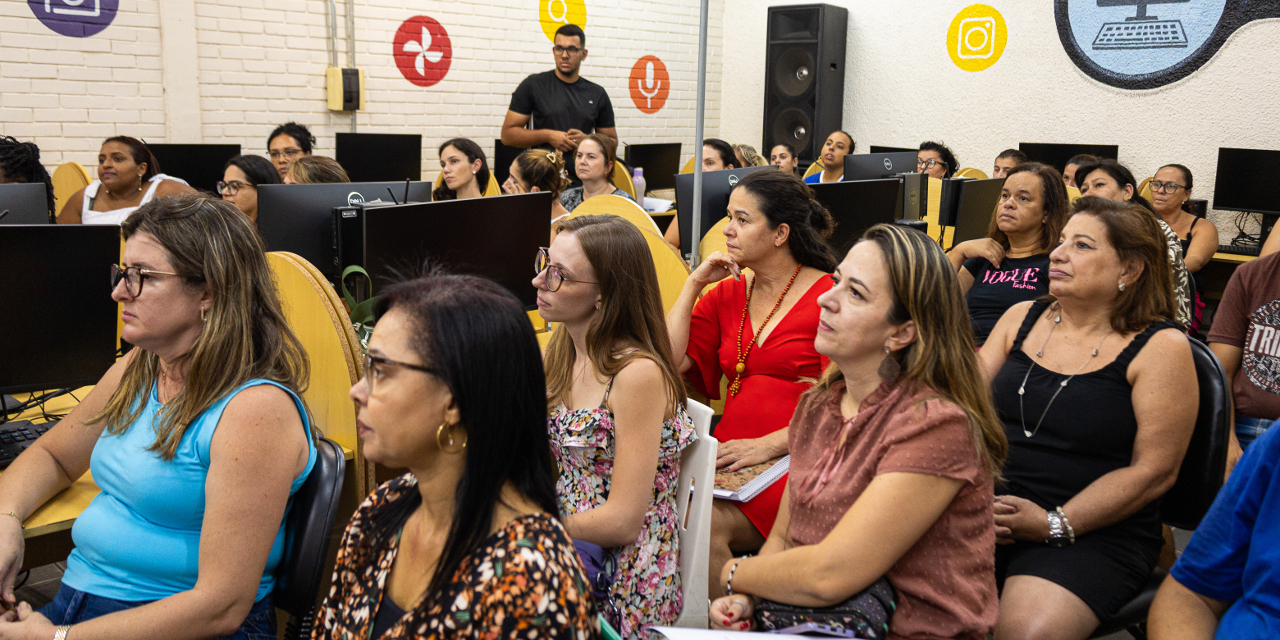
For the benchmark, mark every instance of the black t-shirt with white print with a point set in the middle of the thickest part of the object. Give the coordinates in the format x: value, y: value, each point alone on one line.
x: 995, y: 289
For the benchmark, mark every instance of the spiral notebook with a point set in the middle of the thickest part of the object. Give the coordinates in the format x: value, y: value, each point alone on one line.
x: 746, y: 483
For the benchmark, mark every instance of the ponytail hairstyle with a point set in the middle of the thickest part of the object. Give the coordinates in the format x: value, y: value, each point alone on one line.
x: 140, y: 153
x: 473, y: 152
x: 785, y: 199
x: 20, y: 162
x: 543, y: 169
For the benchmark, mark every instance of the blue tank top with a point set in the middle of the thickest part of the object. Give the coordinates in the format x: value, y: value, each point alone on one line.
x: 139, y: 540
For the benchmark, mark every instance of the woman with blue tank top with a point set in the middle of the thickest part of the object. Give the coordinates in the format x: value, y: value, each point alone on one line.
x: 197, y: 437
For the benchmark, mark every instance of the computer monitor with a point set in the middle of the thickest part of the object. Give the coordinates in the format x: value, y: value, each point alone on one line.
x: 968, y: 206
x: 60, y: 319
x: 1246, y: 180
x: 857, y: 206
x: 876, y: 149
x: 26, y: 203
x: 201, y: 165
x: 660, y: 161
x: 873, y: 166
x: 376, y: 157
x: 503, y: 156
x: 299, y: 217
x: 496, y: 237
x: 1057, y: 155
x: 716, y: 186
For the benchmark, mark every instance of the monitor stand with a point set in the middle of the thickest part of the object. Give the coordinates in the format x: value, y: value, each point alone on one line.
x: 10, y: 402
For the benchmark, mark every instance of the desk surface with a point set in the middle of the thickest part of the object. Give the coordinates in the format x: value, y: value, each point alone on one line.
x: 1232, y: 257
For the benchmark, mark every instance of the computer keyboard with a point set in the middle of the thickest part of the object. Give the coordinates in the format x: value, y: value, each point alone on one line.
x: 16, y: 436
x: 1240, y: 250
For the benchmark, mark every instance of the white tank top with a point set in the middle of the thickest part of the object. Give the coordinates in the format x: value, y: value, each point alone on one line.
x: 117, y: 216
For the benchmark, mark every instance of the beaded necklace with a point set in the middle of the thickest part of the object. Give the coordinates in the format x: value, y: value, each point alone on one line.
x: 742, y: 355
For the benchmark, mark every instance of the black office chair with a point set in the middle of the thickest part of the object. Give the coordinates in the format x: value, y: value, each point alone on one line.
x: 307, y: 531
x: 1198, y: 482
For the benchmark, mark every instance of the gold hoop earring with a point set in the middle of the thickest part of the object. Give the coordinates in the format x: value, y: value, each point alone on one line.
x: 446, y: 446
x: 201, y: 314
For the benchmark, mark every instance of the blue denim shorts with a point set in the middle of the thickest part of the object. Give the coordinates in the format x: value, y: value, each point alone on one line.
x: 72, y: 606
x: 1248, y: 429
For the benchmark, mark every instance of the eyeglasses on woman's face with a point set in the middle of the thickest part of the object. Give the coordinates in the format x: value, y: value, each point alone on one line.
x: 554, y: 277
x: 231, y: 188
x: 375, y: 369
x: 289, y: 152
x: 925, y: 165
x: 134, y: 277
x: 1164, y: 187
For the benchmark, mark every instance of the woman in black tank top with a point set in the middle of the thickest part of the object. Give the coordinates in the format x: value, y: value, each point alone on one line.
x: 1097, y: 391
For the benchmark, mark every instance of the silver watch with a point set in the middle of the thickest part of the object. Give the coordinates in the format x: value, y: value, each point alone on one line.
x: 1057, y: 533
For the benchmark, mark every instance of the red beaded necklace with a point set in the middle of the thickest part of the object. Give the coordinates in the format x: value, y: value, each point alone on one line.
x: 742, y: 355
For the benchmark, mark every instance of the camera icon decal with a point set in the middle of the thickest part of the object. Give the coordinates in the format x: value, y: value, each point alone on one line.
x: 90, y: 8
x: 976, y: 37
x: 75, y: 18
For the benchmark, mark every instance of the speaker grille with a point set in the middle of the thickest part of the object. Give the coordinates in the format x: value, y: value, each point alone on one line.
x: 793, y: 71
x: 793, y: 126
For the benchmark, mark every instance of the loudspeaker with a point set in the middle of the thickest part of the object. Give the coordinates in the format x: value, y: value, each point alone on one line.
x: 804, y: 77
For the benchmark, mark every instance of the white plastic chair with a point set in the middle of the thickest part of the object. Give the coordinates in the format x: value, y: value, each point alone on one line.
x: 693, y: 508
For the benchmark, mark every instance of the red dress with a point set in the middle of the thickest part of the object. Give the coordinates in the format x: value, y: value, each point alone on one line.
x: 771, y: 384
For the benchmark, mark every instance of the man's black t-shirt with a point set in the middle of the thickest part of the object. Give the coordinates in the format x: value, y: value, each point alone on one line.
x: 555, y: 104
x: 995, y: 289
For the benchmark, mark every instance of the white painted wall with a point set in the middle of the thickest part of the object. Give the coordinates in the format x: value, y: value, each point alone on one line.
x: 257, y: 63
x: 901, y: 88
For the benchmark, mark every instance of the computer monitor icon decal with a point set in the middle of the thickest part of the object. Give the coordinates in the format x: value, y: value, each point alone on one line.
x: 1144, y: 44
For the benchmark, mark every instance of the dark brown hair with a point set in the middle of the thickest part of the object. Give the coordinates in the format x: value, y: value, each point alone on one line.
x: 473, y: 152
x: 543, y: 169
x: 140, y: 153
x: 607, y: 146
x: 1056, y: 205
x: 786, y: 199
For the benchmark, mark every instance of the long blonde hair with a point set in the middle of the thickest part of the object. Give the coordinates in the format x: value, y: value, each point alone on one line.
x: 942, y: 358
x: 630, y: 315
x: 245, y: 335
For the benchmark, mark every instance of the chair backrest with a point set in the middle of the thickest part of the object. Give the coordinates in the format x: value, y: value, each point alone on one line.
x: 816, y: 167
x: 1200, y: 477
x: 68, y: 178
x: 1144, y: 189
x: 494, y: 189
x: 308, y: 530
x: 621, y: 180
x: 693, y: 512
x: 971, y: 172
x: 618, y: 206
x: 672, y: 271
x: 714, y: 240
x: 1073, y: 194
x: 688, y: 166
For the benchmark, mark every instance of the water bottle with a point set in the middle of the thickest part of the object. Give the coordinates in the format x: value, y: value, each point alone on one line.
x: 638, y: 181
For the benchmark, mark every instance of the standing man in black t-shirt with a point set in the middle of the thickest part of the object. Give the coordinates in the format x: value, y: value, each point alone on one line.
x: 562, y: 106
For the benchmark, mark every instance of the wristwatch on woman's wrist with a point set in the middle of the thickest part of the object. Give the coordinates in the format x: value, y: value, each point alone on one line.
x: 1058, y: 536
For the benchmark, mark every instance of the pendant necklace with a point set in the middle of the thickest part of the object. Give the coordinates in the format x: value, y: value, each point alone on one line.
x: 1061, y: 385
x: 742, y: 355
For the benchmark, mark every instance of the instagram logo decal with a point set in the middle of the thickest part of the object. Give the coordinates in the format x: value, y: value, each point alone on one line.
x: 976, y: 37
x: 649, y: 84
x: 75, y: 18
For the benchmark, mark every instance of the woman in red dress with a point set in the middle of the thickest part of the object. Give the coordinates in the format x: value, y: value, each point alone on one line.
x: 758, y: 329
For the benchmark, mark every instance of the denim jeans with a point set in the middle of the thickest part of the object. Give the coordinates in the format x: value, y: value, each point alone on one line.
x: 1248, y: 429
x: 71, y: 606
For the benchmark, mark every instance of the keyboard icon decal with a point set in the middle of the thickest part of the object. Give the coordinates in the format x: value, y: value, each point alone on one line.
x: 1157, y: 34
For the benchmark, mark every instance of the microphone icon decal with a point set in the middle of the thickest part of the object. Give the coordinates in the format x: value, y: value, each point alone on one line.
x: 650, y: 85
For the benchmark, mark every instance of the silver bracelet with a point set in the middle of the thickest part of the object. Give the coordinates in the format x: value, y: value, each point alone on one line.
x: 1066, y: 524
x: 728, y: 584
x: 61, y: 632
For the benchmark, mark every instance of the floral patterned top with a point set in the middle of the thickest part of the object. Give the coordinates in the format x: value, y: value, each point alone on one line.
x: 525, y: 581
x: 647, y: 587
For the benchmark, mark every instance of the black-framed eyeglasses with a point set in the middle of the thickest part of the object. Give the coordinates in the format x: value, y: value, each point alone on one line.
x: 559, y: 50
x: 1164, y: 187
x: 289, y: 152
x: 925, y: 165
x: 554, y: 277
x: 133, y: 278
x: 373, y: 369
x: 231, y: 188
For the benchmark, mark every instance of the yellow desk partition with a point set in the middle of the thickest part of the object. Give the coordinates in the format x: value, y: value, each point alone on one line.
x: 68, y: 178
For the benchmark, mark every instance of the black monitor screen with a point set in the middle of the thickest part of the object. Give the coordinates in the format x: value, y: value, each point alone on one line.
x: 61, y: 320
x: 876, y: 149
x: 503, y: 156
x: 857, y: 206
x: 299, y: 217
x: 201, y: 165
x: 1057, y: 155
x: 496, y: 237
x: 661, y: 163
x: 716, y: 186
x: 873, y: 166
x: 974, y: 204
x: 1246, y: 180
x: 26, y: 203
x: 375, y: 157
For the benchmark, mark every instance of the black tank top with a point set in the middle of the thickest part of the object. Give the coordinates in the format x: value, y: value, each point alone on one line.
x: 1088, y: 431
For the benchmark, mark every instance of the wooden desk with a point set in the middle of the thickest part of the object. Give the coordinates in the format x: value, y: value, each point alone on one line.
x: 1232, y: 257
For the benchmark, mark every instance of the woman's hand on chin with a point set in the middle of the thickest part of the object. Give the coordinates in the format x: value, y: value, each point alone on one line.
x: 714, y: 268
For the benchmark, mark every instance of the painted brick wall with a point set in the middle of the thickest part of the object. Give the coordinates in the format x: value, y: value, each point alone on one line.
x: 260, y: 63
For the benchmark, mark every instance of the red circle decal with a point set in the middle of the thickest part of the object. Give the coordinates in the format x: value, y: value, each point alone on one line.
x: 649, y: 84
x: 422, y: 51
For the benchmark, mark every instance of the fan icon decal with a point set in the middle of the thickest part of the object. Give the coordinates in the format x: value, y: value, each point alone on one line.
x: 422, y: 51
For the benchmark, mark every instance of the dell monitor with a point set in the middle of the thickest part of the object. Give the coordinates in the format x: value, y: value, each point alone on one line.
x: 61, y: 320
x: 1057, y: 155
x: 873, y: 166
x: 26, y: 203
x: 716, y: 186
x: 968, y: 206
x: 496, y: 237
x: 376, y: 157
x: 299, y: 217
x: 877, y: 149
x: 201, y: 165
x: 661, y: 163
x: 856, y: 206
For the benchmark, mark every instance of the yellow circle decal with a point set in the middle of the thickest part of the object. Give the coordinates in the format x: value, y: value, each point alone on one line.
x: 977, y: 37
x: 554, y: 14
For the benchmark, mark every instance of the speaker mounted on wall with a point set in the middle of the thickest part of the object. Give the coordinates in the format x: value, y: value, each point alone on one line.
x: 804, y: 77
